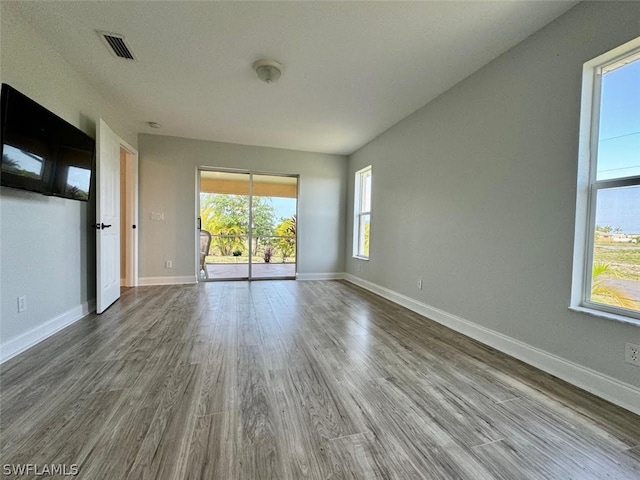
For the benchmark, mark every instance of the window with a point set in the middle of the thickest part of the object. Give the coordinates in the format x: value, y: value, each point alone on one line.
x: 362, y: 213
x: 608, y: 216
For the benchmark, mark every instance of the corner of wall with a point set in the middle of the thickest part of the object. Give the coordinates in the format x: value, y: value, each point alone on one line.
x: 622, y: 394
x: 30, y: 338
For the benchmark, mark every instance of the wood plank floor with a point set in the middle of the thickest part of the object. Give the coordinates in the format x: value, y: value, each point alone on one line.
x: 296, y: 380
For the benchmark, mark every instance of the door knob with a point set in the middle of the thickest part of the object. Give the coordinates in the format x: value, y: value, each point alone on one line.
x: 104, y: 226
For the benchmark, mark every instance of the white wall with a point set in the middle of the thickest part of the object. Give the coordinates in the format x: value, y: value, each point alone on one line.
x: 475, y: 194
x: 47, y: 247
x: 168, y: 168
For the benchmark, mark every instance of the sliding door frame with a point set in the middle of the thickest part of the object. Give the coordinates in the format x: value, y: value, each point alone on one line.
x: 251, y: 173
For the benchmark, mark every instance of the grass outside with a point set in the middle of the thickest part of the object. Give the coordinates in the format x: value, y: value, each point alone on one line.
x: 618, y: 268
x: 624, y: 260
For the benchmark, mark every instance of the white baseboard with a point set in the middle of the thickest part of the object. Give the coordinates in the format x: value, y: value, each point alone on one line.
x: 617, y: 392
x: 26, y: 340
x: 320, y: 276
x: 147, y: 281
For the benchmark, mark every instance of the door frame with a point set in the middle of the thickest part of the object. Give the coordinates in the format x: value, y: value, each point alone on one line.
x: 250, y: 234
x: 130, y: 277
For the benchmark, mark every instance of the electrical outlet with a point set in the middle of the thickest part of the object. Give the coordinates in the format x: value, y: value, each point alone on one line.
x: 632, y: 354
x: 22, y: 303
x: 168, y: 264
x: 420, y: 284
x: 157, y: 216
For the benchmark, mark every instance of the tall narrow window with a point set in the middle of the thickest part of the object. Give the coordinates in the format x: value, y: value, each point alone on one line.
x: 611, y: 275
x: 362, y: 213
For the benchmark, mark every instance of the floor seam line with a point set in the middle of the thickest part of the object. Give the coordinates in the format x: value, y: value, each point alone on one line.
x: 346, y: 436
x: 488, y: 443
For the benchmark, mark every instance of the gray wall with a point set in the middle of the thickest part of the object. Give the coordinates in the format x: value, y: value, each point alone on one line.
x: 168, y: 168
x: 475, y: 194
x: 47, y: 248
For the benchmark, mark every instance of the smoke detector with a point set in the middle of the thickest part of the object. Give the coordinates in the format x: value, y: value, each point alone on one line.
x: 268, y: 71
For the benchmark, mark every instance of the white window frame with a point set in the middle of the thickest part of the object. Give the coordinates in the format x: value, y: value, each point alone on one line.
x: 588, y: 185
x: 358, y: 211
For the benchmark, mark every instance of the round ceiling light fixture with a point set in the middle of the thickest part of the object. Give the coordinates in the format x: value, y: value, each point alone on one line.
x: 268, y: 71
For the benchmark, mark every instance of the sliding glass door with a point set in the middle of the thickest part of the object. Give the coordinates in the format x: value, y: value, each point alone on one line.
x: 274, y: 220
x: 224, y: 225
x: 248, y: 225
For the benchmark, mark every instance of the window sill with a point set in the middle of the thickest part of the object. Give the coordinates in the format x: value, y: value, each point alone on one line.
x: 606, y: 315
x: 358, y: 257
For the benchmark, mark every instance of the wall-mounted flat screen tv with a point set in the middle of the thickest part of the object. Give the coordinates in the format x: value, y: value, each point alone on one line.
x: 41, y: 152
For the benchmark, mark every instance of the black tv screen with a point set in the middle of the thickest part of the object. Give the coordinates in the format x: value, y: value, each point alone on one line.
x: 41, y: 152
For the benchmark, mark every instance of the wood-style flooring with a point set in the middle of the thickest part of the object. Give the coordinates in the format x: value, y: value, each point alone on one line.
x: 295, y: 380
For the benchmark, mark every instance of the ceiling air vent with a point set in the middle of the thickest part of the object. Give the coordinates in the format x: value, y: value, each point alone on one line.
x: 117, y: 45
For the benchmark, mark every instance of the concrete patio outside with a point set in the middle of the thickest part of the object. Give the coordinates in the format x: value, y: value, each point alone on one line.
x: 219, y: 271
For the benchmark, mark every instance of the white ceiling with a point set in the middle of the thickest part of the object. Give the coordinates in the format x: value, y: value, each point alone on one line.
x: 352, y: 69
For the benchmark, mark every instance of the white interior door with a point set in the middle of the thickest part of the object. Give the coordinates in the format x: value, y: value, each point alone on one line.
x: 107, y: 217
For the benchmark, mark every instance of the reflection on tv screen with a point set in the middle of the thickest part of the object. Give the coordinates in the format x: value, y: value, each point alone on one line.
x: 72, y: 177
x: 22, y: 163
x: 78, y: 181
